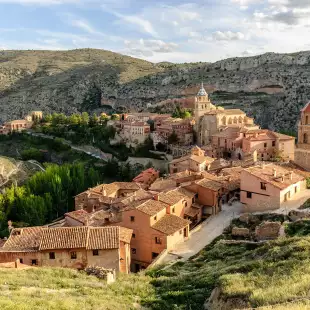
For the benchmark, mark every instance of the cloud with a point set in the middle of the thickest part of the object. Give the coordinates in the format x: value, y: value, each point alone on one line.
x: 149, y: 47
x: 82, y: 24
x: 290, y: 3
x: 40, y: 2
x: 228, y: 36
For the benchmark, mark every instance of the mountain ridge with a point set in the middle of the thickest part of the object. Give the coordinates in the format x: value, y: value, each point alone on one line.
x: 271, y: 87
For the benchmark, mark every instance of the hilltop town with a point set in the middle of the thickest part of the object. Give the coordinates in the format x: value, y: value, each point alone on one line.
x: 220, y: 165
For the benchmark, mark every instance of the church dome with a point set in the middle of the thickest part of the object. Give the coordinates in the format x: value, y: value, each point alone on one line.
x: 202, y: 91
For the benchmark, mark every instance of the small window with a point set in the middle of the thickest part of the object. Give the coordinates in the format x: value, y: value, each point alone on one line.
x: 95, y: 252
x: 34, y: 262
x: 273, y: 143
x: 180, y: 232
x: 173, y: 210
x: 155, y: 218
x: 133, y: 235
x: 157, y: 240
x: 21, y: 260
x: 73, y: 255
x: 154, y: 255
x: 52, y: 255
x: 132, y: 219
x: 248, y: 195
x: 134, y: 251
x: 265, y: 144
x: 263, y: 186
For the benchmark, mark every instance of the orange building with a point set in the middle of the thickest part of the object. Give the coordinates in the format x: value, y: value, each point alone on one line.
x: 269, y: 144
x: 146, y: 177
x: 71, y: 247
x: 17, y: 125
x: 267, y: 187
x: 154, y: 230
x: 196, y: 161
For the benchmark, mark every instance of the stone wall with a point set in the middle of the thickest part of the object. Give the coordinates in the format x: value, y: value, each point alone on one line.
x: 268, y: 230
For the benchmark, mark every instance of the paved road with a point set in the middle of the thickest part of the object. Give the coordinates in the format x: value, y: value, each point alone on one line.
x: 214, y: 227
x: 210, y: 229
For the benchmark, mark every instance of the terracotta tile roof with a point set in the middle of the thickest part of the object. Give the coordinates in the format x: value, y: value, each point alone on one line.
x: 201, y: 159
x: 78, y: 215
x: 185, y: 192
x: 169, y: 224
x: 233, y: 111
x: 210, y: 184
x: 266, y: 173
x: 177, y: 160
x: 162, y: 184
x: 192, y: 211
x: 152, y: 207
x: 109, y: 189
x: 171, y: 197
x: 101, y: 238
x: 64, y: 238
x: 24, y: 239
x: 283, y: 137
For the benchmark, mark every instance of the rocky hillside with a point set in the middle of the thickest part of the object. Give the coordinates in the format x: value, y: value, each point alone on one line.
x: 270, y: 87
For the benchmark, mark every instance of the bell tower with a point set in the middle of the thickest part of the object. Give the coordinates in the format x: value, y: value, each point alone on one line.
x: 202, y: 103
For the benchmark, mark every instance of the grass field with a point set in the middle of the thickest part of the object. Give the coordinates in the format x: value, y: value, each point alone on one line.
x: 273, y: 275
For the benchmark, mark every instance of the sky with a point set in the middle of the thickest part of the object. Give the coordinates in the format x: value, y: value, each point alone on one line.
x: 158, y: 30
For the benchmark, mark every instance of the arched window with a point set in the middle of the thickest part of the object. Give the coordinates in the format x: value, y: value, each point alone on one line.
x: 305, y: 138
x: 240, y: 119
x: 307, y: 120
x: 229, y: 121
x: 224, y: 120
x: 235, y: 120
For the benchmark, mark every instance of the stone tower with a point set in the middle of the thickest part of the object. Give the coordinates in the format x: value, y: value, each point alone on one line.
x: 202, y: 103
x: 302, y: 152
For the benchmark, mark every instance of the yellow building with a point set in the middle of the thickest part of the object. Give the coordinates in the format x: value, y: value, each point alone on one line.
x: 211, y: 120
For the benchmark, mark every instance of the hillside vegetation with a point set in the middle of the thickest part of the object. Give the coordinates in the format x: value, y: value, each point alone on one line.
x: 273, y: 275
x: 272, y: 87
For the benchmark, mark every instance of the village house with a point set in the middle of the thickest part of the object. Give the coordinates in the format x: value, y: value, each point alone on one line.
x: 196, y: 161
x: 269, y: 145
x: 183, y: 129
x: 105, y: 195
x: 136, y: 132
x: 70, y: 247
x: 146, y: 177
x: 22, y: 124
x: 267, y: 187
x: 155, y: 229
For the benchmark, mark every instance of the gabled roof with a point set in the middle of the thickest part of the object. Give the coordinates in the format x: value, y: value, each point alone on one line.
x: 78, y: 215
x: 169, y: 224
x: 282, y: 179
x: 45, y: 238
x: 24, y: 239
x: 64, y: 238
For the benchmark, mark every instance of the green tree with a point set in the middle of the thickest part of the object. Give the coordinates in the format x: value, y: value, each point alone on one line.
x: 85, y: 118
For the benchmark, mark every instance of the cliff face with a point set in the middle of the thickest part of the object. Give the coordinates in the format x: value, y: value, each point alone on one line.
x: 270, y: 87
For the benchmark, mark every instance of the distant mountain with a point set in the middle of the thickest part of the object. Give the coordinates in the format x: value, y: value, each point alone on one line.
x: 271, y: 87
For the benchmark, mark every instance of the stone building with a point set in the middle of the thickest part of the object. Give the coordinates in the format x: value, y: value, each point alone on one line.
x: 136, y: 132
x: 210, y: 120
x: 302, y: 151
x: 71, y: 247
x: 196, y: 161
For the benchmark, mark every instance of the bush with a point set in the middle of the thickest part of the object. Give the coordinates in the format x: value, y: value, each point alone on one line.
x: 33, y: 154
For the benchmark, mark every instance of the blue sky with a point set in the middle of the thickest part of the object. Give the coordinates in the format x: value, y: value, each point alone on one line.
x: 168, y: 30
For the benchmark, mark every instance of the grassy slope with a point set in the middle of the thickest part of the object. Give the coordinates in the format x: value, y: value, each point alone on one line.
x: 275, y: 275
x: 36, y: 288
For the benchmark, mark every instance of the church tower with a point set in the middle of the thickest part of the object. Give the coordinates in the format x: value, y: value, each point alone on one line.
x: 202, y: 103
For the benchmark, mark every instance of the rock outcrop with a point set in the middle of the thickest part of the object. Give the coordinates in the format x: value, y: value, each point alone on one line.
x: 270, y: 87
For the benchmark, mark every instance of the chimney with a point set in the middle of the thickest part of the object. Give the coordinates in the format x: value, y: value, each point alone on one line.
x: 275, y: 172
